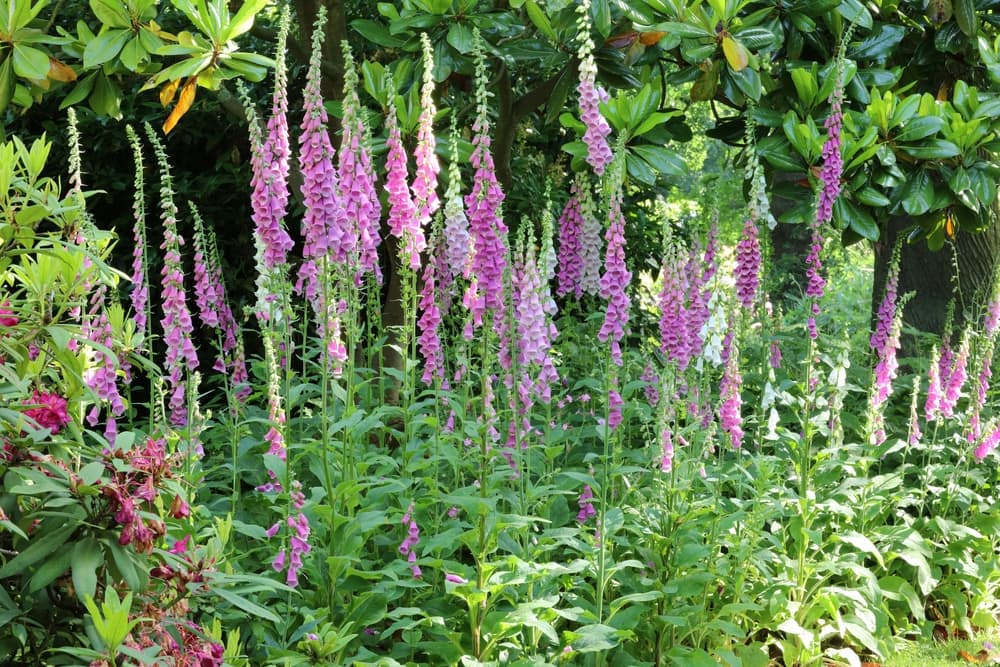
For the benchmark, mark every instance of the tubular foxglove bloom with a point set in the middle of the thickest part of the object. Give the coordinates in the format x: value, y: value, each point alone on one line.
x: 458, y: 241
x: 615, y: 281
x: 177, y: 326
x: 103, y: 378
x: 956, y: 379
x: 403, y: 222
x: 914, y: 434
x: 140, y: 278
x: 406, y: 548
x: 586, y: 505
x: 932, y: 406
x: 571, y: 244
x: 590, y: 243
x: 887, y: 308
x: 425, y: 179
x: 596, y: 135
x: 329, y: 238
x: 270, y: 164
x: 535, y: 331
x: 830, y: 173
x: 357, y: 186
x: 483, y: 206
x: 748, y: 264
x: 231, y: 357
x: 701, y: 269
x: 429, y: 340
x: 989, y: 442
x: 730, y: 418
x: 673, y: 311
x: 667, y: 442
x: 885, y: 342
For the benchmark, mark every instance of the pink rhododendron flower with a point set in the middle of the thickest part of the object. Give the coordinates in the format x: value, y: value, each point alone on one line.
x: 50, y: 411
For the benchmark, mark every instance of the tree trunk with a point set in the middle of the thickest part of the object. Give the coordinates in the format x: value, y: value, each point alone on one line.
x: 962, y: 270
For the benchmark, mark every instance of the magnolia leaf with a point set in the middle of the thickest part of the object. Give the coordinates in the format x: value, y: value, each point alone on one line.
x: 59, y: 71
x: 965, y: 16
x: 168, y: 91
x: 736, y: 53
x: 184, y: 102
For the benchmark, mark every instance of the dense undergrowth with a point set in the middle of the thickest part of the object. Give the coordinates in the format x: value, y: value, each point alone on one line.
x: 551, y: 461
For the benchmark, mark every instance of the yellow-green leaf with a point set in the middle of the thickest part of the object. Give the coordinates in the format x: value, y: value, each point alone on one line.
x: 184, y: 102
x: 736, y: 53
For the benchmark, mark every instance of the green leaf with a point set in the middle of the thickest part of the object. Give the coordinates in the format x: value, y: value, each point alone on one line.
x: 460, y: 36
x: 965, y: 15
x: 537, y: 16
x: 246, y: 605
x: 869, y: 196
x: 243, y: 20
x: 917, y: 194
x: 640, y: 170
x: 133, y: 53
x: 600, y: 13
x: 50, y: 570
x: 879, y: 44
x: 933, y: 149
x: 104, y: 47
x: 6, y: 82
x: 377, y: 33
x: 778, y: 152
x: 40, y: 547
x: 859, y: 541
x: 106, y: 98
x: 853, y: 10
x: 896, y: 588
x: 111, y: 13
x: 30, y: 63
x: 594, y: 637
x: 87, y: 558
x: 806, y: 86
x: 685, y: 30
x: 920, y: 128
x: 662, y: 159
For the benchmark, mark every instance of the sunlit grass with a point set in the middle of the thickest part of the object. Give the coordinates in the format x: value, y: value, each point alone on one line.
x: 929, y: 653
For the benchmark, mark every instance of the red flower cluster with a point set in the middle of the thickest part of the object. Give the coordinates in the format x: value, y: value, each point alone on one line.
x: 49, y: 411
x: 140, y: 483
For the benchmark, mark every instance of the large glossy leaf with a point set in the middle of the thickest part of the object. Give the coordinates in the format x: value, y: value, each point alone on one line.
x: 779, y: 154
x: 41, y: 546
x: 879, y: 44
x: 917, y: 193
x: 30, y: 63
x: 932, y: 149
x: 853, y: 10
x: 920, y: 128
x: 965, y: 16
x: 105, y: 47
x: 111, y: 13
x: 377, y: 33
x: 661, y: 158
x: 243, y: 20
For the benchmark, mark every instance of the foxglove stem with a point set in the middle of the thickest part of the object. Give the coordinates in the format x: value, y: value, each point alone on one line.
x: 177, y: 326
x: 483, y: 206
x: 357, y: 186
x: 330, y: 240
x: 597, y: 129
x: 615, y: 282
x: 571, y: 228
x: 140, y: 277
x: 425, y: 178
x: 748, y: 264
